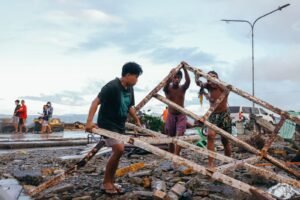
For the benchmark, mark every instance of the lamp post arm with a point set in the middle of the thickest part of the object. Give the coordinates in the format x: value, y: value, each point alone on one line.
x: 279, y: 8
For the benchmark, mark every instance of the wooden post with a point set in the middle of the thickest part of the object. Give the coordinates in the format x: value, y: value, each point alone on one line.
x: 271, y: 175
x: 59, y: 178
x: 143, y: 130
x: 236, y: 164
x: 233, y: 164
x: 244, y: 94
x: 273, y: 136
x: 167, y: 140
x: 178, y: 141
x: 228, y: 136
x: 182, y: 161
x: 157, y: 88
x: 216, y: 104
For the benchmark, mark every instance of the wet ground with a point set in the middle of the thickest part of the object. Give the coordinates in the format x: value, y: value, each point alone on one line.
x: 35, y: 166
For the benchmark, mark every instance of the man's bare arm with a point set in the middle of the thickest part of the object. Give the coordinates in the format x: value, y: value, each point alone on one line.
x: 91, y: 114
x: 132, y: 113
x: 187, y: 82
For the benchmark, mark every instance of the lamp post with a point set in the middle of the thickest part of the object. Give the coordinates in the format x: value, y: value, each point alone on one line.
x: 252, y: 36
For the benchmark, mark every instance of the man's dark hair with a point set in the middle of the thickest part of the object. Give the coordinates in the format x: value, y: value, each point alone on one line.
x: 131, y: 68
x: 18, y: 101
x: 179, y: 74
x: 213, y: 72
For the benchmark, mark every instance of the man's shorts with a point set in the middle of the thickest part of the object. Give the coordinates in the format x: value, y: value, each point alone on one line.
x: 175, y: 124
x: 15, y: 119
x: 22, y: 121
x: 110, y: 142
x: 45, y: 123
x: 221, y: 120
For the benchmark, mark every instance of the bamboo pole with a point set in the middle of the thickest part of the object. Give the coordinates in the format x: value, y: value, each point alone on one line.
x: 182, y: 161
x: 216, y: 104
x: 273, y: 136
x: 167, y: 140
x: 157, y: 88
x: 140, y: 129
x: 228, y: 136
x: 233, y: 163
x: 271, y: 175
x: 236, y: 164
x: 61, y: 177
x: 178, y: 141
x: 244, y: 94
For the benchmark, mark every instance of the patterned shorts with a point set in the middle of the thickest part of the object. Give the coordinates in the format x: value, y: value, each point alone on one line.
x: 222, y: 120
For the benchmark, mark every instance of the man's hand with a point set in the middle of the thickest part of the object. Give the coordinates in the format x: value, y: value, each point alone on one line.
x: 138, y: 123
x: 89, y: 126
x: 183, y: 63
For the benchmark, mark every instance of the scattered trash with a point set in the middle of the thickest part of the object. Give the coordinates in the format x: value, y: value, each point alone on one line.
x: 284, y: 191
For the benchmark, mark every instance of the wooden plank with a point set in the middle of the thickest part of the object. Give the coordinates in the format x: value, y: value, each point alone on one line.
x: 182, y: 161
x: 223, y: 133
x: 243, y: 94
x: 61, y: 177
x: 157, y: 88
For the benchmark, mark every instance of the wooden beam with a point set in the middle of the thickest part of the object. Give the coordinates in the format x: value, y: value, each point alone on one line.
x: 236, y: 164
x: 178, y: 141
x: 223, y: 133
x: 273, y: 136
x: 244, y: 94
x: 61, y: 177
x: 182, y: 161
x: 157, y: 88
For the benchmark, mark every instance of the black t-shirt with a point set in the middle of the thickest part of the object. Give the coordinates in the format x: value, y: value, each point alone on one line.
x: 115, y: 102
x: 16, y: 109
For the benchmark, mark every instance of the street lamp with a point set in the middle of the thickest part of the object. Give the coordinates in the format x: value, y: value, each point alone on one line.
x: 252, y: 30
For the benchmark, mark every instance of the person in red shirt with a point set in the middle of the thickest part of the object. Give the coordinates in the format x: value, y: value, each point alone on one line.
x: 23, y: 116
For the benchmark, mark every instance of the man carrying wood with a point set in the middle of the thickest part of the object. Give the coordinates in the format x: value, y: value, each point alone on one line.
x: 117, y: 100
x: 176, y: 121
x: 220, y: 117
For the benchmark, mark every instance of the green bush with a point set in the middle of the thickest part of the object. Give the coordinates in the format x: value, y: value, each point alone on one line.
x: 151, y: 122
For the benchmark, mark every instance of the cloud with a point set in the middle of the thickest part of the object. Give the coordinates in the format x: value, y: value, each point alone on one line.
x: 284, y: 67
x: 83, y: 16
x: 192, y: 55
x: 64, y: 98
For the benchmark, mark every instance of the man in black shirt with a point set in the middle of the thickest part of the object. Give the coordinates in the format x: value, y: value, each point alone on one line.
x: 117, y: 100
x: 16, y: 115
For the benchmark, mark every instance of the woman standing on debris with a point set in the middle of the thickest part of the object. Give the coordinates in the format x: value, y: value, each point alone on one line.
x: 220, y: 117
x: 117, y: 100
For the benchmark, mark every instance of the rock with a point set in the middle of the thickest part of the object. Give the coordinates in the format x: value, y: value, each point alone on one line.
x: 159, y: 185
x: 83, y: 198
x: 63, y: 188
x: 89, y: 170
x: 147, y: 182
x: 172, y: 196
x: 6, y: 175
x: 29, y: 177
x: 140, y: 173
x: 179, y: 188
x: 166, y: 166
x: 159, y: 195
x: 136, y: 180
x: 58, y: 171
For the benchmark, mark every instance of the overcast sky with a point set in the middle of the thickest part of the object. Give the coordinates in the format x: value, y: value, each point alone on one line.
x: 63, y: 51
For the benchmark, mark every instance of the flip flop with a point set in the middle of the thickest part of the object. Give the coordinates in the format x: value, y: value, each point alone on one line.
x: 120, y: 189
x: 117, y: 190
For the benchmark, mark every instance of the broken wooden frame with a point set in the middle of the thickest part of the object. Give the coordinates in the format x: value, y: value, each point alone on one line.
x: 61, y: 177
x: 216, y: 174
x: 182, y: 161
x: 232, y: 163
